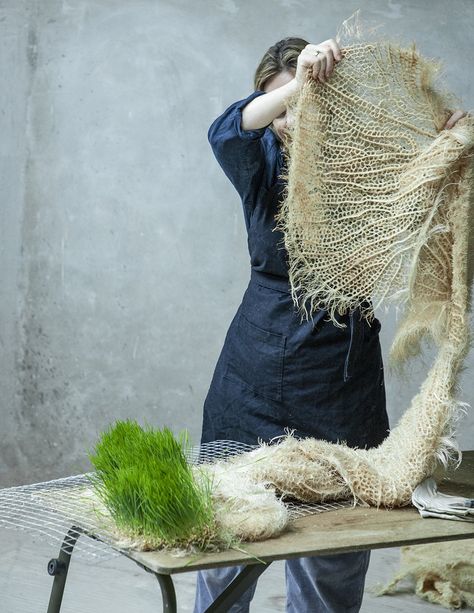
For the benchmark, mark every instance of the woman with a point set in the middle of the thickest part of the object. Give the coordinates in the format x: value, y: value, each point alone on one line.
x: 275, y: 372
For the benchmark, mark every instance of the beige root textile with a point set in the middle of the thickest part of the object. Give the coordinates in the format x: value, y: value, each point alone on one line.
x: 443, y: 573
x: 378, y: 208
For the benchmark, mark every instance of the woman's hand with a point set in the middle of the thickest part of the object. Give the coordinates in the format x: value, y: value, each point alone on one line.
x: 314, y: 61
x: 453, y: 119
x: 317, y: 61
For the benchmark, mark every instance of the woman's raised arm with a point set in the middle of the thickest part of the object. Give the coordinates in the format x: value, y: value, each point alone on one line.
x: 315, y: 61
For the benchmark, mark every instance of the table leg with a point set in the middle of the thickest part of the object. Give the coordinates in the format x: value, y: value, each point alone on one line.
x: 167, y: 593
x: 237, y: 587
x: 58, y: 568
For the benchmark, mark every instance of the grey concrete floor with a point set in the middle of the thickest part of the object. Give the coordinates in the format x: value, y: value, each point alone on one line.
x: 117, y: 585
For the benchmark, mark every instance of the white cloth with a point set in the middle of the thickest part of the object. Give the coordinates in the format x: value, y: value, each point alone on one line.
x: 432, y: 503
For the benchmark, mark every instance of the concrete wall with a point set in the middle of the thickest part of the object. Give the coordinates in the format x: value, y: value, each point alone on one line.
x: 123, y: 251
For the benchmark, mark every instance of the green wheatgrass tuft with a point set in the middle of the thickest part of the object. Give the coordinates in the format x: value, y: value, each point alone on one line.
x: 151, y: 491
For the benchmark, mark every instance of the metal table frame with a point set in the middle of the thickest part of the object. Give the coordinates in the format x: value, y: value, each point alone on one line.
x: 59, y: 567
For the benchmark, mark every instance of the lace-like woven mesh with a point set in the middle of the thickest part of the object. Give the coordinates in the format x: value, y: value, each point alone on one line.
x: 369, y: 178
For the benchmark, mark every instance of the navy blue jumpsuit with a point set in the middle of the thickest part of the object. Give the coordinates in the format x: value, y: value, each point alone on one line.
x: 276, y: 372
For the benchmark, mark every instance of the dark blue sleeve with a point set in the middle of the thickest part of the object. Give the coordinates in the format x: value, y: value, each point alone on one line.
x: 240, y: 153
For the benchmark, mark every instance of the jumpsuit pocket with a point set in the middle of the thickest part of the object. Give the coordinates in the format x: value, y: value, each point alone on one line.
x: 257, y: 359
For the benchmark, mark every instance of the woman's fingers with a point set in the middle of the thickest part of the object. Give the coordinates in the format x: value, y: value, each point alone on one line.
x: 310, y: 60
x: 319, y: 60
x: 456, y: 115
x: 330, y: 61
x: 319, y: 68
x: 336, y: 50
x: 324, y: 62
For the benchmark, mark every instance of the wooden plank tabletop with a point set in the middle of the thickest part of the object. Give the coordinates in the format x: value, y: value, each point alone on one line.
x: 346, y: 529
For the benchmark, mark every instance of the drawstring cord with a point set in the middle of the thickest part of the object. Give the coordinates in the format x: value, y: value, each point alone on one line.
x: 347, y: 374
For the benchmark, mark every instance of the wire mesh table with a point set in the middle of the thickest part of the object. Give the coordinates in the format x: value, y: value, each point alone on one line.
x: 51, y: 509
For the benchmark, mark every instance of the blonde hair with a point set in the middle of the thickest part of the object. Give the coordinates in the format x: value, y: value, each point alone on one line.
x: 281, y: 56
